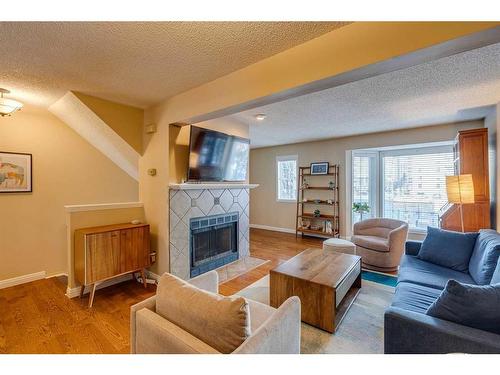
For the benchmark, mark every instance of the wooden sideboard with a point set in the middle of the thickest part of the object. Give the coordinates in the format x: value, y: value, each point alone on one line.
x: 105, y: 252
x: 471, y: 157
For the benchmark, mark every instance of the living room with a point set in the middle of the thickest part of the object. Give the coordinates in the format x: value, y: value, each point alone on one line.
x: 249, y: 187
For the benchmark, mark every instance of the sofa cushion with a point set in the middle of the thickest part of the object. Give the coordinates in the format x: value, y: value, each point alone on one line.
x: 221, y: 322
x: 371, y: 242
x: 485, y: 256
x: 495, y: 279
x: 415, y: 270
x: 259, y: 313
x: 448, y: 249
x: 414, y: 297
x: 475, y: 306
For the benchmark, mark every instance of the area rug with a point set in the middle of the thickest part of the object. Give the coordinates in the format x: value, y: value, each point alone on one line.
x: 361, y: 331
x: 239, y: 267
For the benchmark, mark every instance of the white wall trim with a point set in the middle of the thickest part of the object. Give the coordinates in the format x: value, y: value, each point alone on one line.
x: 22, y: 279
x: 273, y: 229
x: 75, y: 292
x: 101, y: 206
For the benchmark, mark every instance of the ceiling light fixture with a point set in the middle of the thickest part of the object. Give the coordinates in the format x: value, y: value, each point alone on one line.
x: 260, y: 117
x: 8, y: 106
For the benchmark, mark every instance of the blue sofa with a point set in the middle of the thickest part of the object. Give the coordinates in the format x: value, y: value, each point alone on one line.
x: 408, y: 329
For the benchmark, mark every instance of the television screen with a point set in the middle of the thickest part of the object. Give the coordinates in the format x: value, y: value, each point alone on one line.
x: 215, y: 156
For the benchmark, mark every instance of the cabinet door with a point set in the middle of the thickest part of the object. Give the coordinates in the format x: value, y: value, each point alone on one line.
x: 103, y: 255
x: 134, y: 249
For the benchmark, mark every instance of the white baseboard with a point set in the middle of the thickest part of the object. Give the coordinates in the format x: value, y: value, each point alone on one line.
x: 274, y: 229
x: 22, y: 279
x: 152, y: 275
x: 75, y: 292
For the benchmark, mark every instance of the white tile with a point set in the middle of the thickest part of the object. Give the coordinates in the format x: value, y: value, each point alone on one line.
x: 205, y: 202
x: 243, y: 248
x: 243, y: 224
x: 194, y: 193
x: 174, y: 220
x: 236, y: 208
x: 216, y: 192
x: 243, y: 198
x: 179, y: 236
x: 193, y: 212
x: 226, y: 200
x: 235, y: 192
x: 180, y: 203
x: 216, y: 210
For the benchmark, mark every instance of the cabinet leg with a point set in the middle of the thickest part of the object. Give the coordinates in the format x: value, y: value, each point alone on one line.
x: 82, y: 290
x: 144, y: 281
x: 92, y: 293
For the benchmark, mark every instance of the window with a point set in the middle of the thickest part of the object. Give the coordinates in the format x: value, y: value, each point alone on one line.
x: 286, y: 178
x: 411, y: 183
x: 417, y: 203
x: 364, y: 183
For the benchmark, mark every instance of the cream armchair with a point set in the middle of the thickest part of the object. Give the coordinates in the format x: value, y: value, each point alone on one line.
x: 380, y: 242
x: 273, y: 331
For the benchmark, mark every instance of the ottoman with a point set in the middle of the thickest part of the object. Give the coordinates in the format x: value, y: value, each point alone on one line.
x: 339, y: 245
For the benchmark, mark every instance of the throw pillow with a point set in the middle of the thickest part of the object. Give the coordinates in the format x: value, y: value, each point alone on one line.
x: 448, y: 249
x: 485, y: 256
x: 475, y: 306
x: 221, y: 322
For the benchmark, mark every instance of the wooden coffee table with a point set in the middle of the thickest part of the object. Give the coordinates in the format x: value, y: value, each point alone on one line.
x: 326, y: 283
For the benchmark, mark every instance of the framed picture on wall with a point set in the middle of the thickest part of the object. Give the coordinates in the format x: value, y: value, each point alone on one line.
x: 15, y: 172
x: 320, y: 167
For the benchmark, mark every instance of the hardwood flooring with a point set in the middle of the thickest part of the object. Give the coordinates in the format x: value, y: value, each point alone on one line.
x: 38, y: 318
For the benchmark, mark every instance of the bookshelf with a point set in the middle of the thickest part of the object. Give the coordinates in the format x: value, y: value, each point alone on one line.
x: 318, y: 192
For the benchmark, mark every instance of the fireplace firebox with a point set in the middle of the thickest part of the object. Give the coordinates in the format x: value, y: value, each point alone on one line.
x: 213, y: 242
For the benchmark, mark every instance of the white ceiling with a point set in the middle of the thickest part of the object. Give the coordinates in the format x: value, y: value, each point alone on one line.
x: 455, y: 88
x: 135, y: 63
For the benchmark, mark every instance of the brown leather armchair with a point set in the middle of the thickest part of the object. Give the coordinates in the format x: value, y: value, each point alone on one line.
x: 380, y: 242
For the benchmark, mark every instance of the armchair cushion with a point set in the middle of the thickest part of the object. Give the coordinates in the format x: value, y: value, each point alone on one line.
x: 221, y: 322
x: 476, y: 306
x: 485, y: 256
x: 496, y: 275
x: 448, y: 249
x: 371, y: 242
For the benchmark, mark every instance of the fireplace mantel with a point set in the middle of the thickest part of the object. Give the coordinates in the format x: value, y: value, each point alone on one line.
x: 208, y: 185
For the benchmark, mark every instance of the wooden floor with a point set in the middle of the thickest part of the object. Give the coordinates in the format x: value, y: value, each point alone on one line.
x: 38, y: 318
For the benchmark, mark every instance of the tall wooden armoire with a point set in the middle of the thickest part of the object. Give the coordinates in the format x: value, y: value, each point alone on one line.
x: 471, y: 157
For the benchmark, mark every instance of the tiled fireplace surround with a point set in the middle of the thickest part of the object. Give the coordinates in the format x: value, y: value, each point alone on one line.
x: 188, y: 202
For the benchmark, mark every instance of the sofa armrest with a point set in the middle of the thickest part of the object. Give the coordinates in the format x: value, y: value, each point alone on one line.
x: 408, y: 332
x: 156, y: 335
x: 149, y: 304
x: 412, y: 247
x: 280, y: 334
x: 208, y: 281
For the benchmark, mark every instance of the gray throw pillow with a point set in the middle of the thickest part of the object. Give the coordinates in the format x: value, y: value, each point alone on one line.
x: 448, y: 249
x: 476, y: 306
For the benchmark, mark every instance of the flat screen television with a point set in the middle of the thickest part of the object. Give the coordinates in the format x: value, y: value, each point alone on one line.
x: 216, y: 156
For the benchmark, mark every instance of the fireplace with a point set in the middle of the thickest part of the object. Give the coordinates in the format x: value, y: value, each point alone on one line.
x: 213, y: 242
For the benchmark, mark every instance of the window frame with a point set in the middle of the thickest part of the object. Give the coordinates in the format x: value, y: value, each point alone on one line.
x: 374, y: 183
x: 281, y: 158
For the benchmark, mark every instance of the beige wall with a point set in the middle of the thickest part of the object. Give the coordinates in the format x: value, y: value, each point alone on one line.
x: 125, y: 120
x: 66, y: 170
x: 92, y: 218
x: 340, y: 51
x: 265, y: 210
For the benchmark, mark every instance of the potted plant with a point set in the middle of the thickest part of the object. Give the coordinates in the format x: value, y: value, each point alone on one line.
x: 360, y: 208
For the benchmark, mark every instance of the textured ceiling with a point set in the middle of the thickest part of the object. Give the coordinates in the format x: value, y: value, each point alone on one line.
x: 135, y: 63
x: 455, y: 88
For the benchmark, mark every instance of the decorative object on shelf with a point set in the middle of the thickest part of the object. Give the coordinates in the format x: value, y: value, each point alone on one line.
x: 328, y: 227
x: 324, y: 223
x: 8, y: 106
x: 360, y: 208
x: 15, y: 172
x: 320, y: 168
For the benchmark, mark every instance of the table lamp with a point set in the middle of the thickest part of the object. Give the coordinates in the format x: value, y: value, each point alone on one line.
x: 460, y: 190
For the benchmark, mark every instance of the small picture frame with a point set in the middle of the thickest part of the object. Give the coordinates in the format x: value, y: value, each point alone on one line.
x: 320, y: 168
x: 15, y: 172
